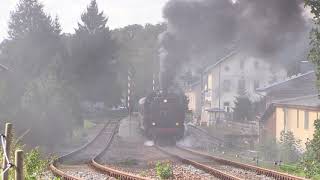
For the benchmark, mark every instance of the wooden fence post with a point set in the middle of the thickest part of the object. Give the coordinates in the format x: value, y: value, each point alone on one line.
x: 8, y: 138
x: 19, y: 165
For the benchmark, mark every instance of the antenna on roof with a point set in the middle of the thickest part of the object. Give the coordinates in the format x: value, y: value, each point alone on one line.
x: 3, y: 67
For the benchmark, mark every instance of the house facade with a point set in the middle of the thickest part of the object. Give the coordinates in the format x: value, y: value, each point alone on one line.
x: 292, y: 105
x: 193, y: 92
x: 223, y: 81
x: 295, y: 114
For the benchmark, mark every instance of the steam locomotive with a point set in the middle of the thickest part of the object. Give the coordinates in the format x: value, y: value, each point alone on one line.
x: 163, y: 115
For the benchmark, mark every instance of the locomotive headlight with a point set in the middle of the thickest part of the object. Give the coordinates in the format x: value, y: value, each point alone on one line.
x: 177, y: 124
x: 153, y: 124
x: 165, y: 100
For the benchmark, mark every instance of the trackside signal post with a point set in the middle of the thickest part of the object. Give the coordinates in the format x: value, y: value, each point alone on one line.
x: 130, y: 101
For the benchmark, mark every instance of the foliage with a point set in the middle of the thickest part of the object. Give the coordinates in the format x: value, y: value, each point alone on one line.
x: 34, y: 164
x: 138, y: 48
x: 92, y: 69
x: 288, y: 168
x: 29, y: 18
x: 289, y: 147
x: 243, y: 110
x: 164, y: 170
x: 35, y: 95
x: 269, y: 149
x: 311, y: 158
x: 314, y: 54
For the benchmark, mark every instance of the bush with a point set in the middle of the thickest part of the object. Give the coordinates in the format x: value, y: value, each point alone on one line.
x: 289, y: 147
x: 311, y: 158
x: 34, y: 164
x: 164, y: 170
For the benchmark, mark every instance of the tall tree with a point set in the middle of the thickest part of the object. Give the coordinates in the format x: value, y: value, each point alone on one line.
x: 138, y: 48
x: 93, y: 58
x: 243, y: 110
x: 29, y: 18
x: 314, y: 54
x: 93, y: 21
x: 33, y: 89
x: 34, y: 37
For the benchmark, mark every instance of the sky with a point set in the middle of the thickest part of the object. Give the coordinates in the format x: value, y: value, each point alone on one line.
x: 120, y: 12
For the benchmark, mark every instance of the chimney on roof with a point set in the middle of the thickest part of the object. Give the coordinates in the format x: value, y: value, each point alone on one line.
x: 305, y: 66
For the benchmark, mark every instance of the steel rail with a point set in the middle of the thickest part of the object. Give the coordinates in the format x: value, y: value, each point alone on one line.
x: 111, y: 171
x: 54, y: 165
x: 94, y: 161
x: 259, y: 170
x: 215, y: 172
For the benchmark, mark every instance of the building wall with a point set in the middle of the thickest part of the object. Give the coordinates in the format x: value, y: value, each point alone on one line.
x: 295, y: 120
x: 239, y: 70
x: 192, y: 100
x: 270, y: 127
x: 194, y: 96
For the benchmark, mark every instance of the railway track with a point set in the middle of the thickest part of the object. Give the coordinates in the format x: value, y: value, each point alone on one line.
x: 224, y: 169
x: 85, y: 159
x: 69, y: 165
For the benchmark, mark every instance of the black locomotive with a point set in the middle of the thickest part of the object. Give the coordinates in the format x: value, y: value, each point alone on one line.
x: 164, y: 115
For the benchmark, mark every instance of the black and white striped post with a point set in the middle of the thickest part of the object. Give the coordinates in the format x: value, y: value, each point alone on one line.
x: 130, y: 102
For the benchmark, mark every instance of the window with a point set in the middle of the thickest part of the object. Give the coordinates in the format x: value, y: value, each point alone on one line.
x: 226, y: 106
x: 285, y: 119
x: 306, y: 119
x: 297, y: 118
x: 226, y: 85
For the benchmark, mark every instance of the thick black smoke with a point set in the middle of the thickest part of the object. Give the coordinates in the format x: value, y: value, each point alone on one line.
x: 261, y: 28
x: 267, y: 27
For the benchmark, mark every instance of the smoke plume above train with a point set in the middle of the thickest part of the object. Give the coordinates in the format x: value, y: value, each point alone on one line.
x: 261, y: 28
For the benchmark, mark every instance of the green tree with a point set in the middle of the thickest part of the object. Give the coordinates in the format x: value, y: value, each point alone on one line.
x: 30, y: 19
x: 138, y: 47
x: 311, y: 158
x: 34, y: 95
x: 269, y: 148
x: 243, y: 110
x: 93, y: 67
x: 314, y: 54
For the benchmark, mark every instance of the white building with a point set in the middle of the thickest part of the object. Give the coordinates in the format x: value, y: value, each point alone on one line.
x: 223, y: 80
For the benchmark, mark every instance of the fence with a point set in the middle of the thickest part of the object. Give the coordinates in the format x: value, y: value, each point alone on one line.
x: 7, y: 164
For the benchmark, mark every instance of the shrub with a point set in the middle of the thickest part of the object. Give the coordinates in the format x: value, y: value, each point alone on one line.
x: 289, y: 147
x: 311, y: 158
x: 34, y: 164
x: 164, y: 170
